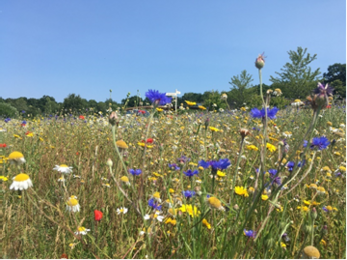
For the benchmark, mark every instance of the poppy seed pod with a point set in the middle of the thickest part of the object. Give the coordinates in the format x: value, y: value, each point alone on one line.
x: 113, y: 118
x: 260, y: 62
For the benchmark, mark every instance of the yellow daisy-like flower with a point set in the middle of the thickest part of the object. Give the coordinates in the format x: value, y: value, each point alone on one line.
x: 306, y: 202
x: 171, y: 190
x: 189, y: 103
x: 156, y: 196
x: 342, y: 168
x: 3, y: 178
x: 241, y: 191
x: 159, y: 109
x: 252, y: 147
x: 202, y: 107
x: 215, y: 203
x: 213, y: 129
x: 171, y: 221
x: 16, y: 157
x: 21, y: 182
x: 191, y: 210
x: 264, y: 197
x: 221, y: 174
x: 17, y: 136
x: 271, y: 147
x: 283, y: 245
x: 206, y: 224
x: 141, y: 144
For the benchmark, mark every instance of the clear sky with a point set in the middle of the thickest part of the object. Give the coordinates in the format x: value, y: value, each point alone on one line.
x: 51, y: 47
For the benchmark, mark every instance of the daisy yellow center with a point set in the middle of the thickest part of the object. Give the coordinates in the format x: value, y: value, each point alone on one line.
x: 21, y: 177
x: 81, y: 229
x: 124, y: 179
x: 72, y: 202
x: 121, y: 210
x: 214, y: 202
x: 64, y: 166
x: 15, y: 155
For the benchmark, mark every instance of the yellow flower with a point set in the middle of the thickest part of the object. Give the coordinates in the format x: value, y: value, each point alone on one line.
x: 208, y: 225
x: 271, y: 147
x: 252, y: 147
x: 202, y: 107
x: 3, y: 178
x: 342, y: 168
x: 240, y: 191
x: 191, y: 210
x: 220, y: 174
x: 17, y: 136
x: 323, y: 242
x: 283, y: 245
x: 306, y: 202
x: 215, y: 203
x: 141, y: 144
x: 171, y: 190
x: 213, y: 129
x: 171, y: 221
x: 264, y: 197
x: 125, y: 180
x: 159, y: 109
x: 329, y: 123
x: 189, y: 103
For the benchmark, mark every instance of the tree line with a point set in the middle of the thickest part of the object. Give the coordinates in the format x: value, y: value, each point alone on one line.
x: 296, y: 81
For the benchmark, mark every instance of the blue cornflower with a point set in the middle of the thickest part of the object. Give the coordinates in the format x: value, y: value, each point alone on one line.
x: 158, y: 98
x: 191, y: 173
x: 249, y: 233
x: 174, y: 167
x: 305, y: 143
x: 222, y: 164
x: 290, y: 165
x: 301, y: 163
x: 154, y: 205
x: 7, y: 120
x: 276, y: 180
x: 23, y: 111
x: 135, y: 172
x: 325, y: 209
x: 271, y: 113
x: 24, y: 122
x: 272, y: 172
x: 320, y: 142
x: 188, y: 194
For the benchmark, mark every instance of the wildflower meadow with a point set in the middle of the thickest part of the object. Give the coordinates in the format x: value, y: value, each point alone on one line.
x: 255, y: 182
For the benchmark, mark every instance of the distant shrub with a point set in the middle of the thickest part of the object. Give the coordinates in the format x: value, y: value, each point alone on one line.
x: 6, y: 110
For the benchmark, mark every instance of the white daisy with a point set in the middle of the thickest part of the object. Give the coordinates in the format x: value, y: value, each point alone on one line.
x: 63, y: 168
x: 82, y: 231
x: 158, y: 216
x: 122, y: 210
x: 16, y: 158
x: 72, y: 204
x: 146, y: 217
x: 21, y: 182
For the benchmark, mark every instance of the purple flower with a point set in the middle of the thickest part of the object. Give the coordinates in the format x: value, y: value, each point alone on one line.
x: 323, y: 90
x: 290, y: 165
x: 320, y: 142
x: 222, y: 164
x: 154, y: 205
x: 272, y: 172
x: 183, y: 159
x: 301, y: 163
x: 305, y: 143
x: 271, y: 113
x: 174, y: 167
x: 188, y: 193
x: 135, y: 172
x: 157, y: 98
x: 191, y: 173
x: 7, y: 120
x: 249, y: 233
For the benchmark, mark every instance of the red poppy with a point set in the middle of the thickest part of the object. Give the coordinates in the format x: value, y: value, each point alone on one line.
x: 28, y: 132
x: 23, y: 124
x: 149, y: 140
x: 77, y: 153
x: 328, y: 106
x: 64, y: 256
x: 97, y: 215
x: 81, y: 117
x: 3, y: 145
x: 141, y: 112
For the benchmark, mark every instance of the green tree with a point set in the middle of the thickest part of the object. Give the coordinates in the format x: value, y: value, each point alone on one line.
x: 336, y: 77
x: 6, y: 110
x: 297, y: 80
x: 240, y: 85
x: 74, y: 103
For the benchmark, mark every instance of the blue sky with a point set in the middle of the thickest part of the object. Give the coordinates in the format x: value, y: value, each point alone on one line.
x: 88, y: 47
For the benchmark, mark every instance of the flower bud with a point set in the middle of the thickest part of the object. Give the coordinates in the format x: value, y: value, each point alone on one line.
x: 109, y: 162
x: 260, y: 62
x: 244, y: 132
x: 113, y: 118
x: 314, y: 213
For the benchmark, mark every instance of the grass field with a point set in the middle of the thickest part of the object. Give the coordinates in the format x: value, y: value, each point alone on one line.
x: 185, y: 186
